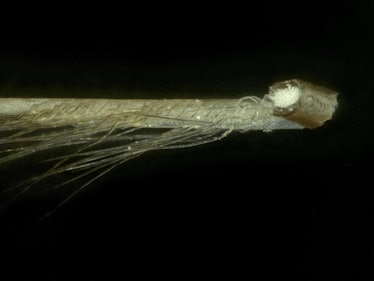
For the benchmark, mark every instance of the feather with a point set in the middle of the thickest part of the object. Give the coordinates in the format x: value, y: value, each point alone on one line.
x: 95, y: 136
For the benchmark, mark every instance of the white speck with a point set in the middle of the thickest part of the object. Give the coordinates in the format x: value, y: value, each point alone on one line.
x: 198, y: 117
x: 286, y: 96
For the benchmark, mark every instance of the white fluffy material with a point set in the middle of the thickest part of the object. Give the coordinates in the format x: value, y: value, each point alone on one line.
x: 286, y: 96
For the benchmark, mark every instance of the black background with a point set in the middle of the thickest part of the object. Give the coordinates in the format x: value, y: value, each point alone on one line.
x: 291, y: 204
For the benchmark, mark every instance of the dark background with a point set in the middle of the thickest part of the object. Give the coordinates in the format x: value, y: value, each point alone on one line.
x: 292, y: 204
